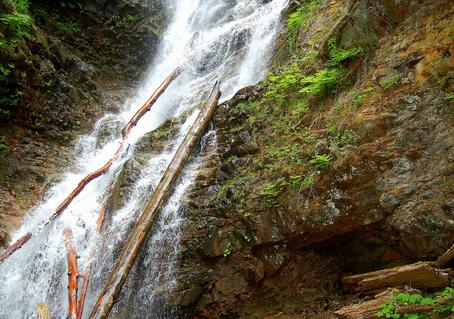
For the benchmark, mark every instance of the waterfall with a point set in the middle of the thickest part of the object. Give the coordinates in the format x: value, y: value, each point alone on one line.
x: 227, y: 40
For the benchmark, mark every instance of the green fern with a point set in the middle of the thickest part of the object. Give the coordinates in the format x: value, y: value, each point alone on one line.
x: 337, y: 56
x: 321, y: 83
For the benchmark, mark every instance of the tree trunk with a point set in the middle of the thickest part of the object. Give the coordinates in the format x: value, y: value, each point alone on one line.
x: 73, y: 274
x: 114, y: 283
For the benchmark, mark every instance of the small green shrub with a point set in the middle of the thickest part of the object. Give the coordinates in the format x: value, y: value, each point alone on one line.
x: 21, y: 6
x: 443, y: 302
x: 228, y: 250
x: 117, y: 23
x: 68, y: 27
x: 321, y: 83
x: 296, y: 19
x: 18, y: 24
x: 449, y: 97
x: 2, y: 143
x: 389, y: 81
x: 337, y: 56
x: 5, y: 70
x: 278, y: 85
x: 309, y: 180
x: 271, y: 191
x: 295, y: 182
x: 321, y: 161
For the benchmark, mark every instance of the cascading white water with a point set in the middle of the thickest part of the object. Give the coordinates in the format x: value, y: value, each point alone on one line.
x: 224, y: 40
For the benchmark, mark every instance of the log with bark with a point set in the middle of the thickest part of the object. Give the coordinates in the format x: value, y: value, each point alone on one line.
x: 73, y: 274
x: 117, y: 277
x: 417, y: 275
x: 90, y: 177
x: 367, y: 309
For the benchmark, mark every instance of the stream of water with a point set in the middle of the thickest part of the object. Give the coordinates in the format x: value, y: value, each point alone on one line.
x: 227, y: 40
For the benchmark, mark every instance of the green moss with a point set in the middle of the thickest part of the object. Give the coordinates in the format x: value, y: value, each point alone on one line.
x: 2, y: 143
x: 271, y: 191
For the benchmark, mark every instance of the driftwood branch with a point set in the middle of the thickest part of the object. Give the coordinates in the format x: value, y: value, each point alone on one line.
x: 418, y: 275
x: 114, y: 283
x: 125, y: 132
x: 73, y: 274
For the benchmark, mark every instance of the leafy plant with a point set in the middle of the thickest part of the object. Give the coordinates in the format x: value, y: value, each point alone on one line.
x: 228, y: 250
x: 18, y: 24
x: 271, y: 191
x: 296, y: 19
x: 5, y: 70
x: 339, y: 56
x: 68, y: 27
x: 449, y: 97
x: 321, y: 83
x: 278, y: 85
x: 443, y: 304
x: 2, y: 143
x: 117, y: 23
x: 321, y: 161
x: 389, y: 81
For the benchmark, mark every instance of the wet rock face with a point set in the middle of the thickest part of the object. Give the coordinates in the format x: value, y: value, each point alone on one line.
x: 385, y: 201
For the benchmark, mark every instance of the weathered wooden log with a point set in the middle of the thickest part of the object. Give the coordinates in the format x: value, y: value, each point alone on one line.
x: 446, y: 257
x: 149, y: 103
x: 125, y: 132
x: 43, y: 311
x: 73, y: 274
x: 84, y: 182
x: 125, y: 261
x: 17, y: 245
x: 87, y: 275
x: 367, y: 309
x: 417, y: 275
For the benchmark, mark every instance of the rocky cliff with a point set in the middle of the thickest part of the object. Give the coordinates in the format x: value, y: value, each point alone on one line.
x: 340, y: 162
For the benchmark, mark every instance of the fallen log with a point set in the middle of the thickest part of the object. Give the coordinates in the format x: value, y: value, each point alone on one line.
x: 446, y: 257
x: 87, y: 275
x: 117, y: 277
x: 417, y: 275
x: 125, y: 132
x: 367, y: 309
x: 16, y: 246
x: 73, y: 274
x: 149, y: 103
x: 43, y: 311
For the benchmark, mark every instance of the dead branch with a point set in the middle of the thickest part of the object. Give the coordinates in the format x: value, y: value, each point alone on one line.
x: 73, y: 274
